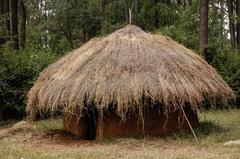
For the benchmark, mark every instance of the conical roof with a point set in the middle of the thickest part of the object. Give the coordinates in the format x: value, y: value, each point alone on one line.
x: 125, y: 69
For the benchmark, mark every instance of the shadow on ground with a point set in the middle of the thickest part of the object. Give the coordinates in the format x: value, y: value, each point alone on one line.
x: 205, y: 129
x: 210, y: 127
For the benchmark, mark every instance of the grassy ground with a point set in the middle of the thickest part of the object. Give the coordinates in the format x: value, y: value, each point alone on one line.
x: 46, y: 141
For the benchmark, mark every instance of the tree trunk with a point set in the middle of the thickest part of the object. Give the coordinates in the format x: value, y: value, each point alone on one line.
x: 104, y: 15
x: 179, y: 2
x: 85, y: 39
x: 86, y: 14
x: 222, y: 23
x: 69, y: 33
x: 66, y: 29
x: 203, y: 28
x: 156, y: 16
x: 4, y: 11
x: 190, y: 2
x: 135, y: 14
x: 238, y: 24
x: 231, y: 23
x: 23, y: 25
x: 1, y: 14
x: 1, y: 113
x: 14, y: 23
x: 1, y: 7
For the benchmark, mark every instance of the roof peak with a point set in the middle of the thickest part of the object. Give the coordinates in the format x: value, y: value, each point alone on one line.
x: 130, y: 29
x: 131, y: 26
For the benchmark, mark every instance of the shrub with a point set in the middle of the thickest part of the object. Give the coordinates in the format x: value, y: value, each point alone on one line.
x: 17, y: 73
x: 228, y: 65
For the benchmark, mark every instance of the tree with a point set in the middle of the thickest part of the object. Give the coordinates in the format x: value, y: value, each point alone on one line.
x: 14, y: 23
x: 1, y: 7
x: 5, y: 23
x: 231, y: 22
x: 238, y: 24
x: 203, y: 26
x: 156, y: 15
x: 85, y: 18
x: 1, y: 38
x: 23, y: 24
x: 104, y: 15
x: 66, y: 29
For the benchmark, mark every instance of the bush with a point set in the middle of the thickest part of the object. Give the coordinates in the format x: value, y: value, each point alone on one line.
x: 228, y: 65
x: 17, y: 73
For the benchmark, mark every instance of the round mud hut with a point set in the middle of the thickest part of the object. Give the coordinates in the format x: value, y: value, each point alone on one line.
x: 127, y: 84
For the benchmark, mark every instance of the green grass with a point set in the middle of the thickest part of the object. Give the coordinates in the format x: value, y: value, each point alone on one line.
x: 216, y: 128
x: 49, y: 124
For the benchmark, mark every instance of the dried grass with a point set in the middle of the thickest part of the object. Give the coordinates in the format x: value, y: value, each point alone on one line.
x: 123, y: 69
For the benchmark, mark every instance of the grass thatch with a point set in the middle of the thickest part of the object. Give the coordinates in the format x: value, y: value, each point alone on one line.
x: 122, y: 68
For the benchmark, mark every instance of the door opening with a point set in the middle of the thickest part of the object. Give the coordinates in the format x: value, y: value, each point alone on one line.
x: 91, y: 119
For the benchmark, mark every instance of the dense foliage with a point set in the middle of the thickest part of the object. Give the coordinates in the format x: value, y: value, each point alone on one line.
x: 228, y: 65
x: 54, y: 27
x: 17, y: 73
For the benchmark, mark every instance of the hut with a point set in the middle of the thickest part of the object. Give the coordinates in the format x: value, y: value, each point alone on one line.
x: 127, y: 84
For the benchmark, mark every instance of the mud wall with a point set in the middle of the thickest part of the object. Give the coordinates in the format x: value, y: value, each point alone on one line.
x: 153, y: 123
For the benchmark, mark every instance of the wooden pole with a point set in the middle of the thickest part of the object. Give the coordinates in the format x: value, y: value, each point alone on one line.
x: 189, y: 124
x: 100, y: 126
x: 130, y: 16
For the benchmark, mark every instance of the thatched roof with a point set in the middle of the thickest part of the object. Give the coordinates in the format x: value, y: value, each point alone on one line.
x: 124, y: 68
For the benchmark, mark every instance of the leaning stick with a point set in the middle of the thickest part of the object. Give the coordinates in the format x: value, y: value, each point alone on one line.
x: 189, y: 124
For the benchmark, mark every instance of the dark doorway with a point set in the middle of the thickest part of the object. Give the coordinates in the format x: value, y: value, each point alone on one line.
x: 91, y: 119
